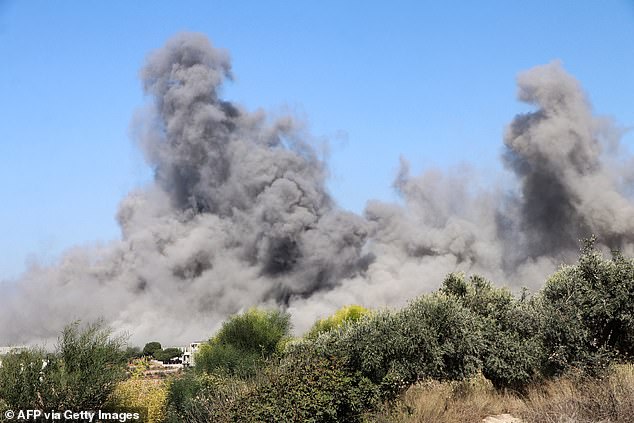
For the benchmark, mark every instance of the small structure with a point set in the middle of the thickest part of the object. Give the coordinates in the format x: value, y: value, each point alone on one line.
x: 190, y: 351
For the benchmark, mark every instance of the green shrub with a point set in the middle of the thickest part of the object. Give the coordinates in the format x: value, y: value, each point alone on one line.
x: 187, y: 392
x: 227, y: 359
x: 181, y: 391
x: 132, y: 353
x: 346, y: 314
x: 255, y: 330
x: 166, y: 354
x: 588, y: 313
x: 307, y: 388
x: 433, y: 337
x: 244, y: 342
x: 243, y: 345
x: 20, y: 379
x: 511, y: 343
x: 350, y: 369
x: 80, y: 375
x: 85, y: 369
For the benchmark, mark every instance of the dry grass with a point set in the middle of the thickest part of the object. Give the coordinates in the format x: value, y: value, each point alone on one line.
x: 579, y: 400
x: 570, y: 399
x: 449, y: 402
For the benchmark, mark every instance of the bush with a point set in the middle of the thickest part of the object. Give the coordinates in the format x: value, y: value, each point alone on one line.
x: 470, y: 400
x: 181, y: 392
x: 582, y: 319
x: 432, y: 337
x: 257, y: 331
x: 167, y: 354
x: 132, y: 353
x: 20, y: 379
x: 511, y: 343
x: 588, y: 313
x: 141, y: 395
x: 227, y: 359
x: 347, y: 314
x: 308, y: 388
x: 191, y: 390
x: 85, y: 369
x: 244, y: 342
x: 80, y: 375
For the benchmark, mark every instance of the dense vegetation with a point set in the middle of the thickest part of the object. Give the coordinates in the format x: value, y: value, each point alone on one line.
x: 350, y: 365
x: 80, y: 374
x: 581, y: 321
x: 244, y: 343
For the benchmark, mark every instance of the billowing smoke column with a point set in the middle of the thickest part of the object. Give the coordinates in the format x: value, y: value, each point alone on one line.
x: 239, y: 215
x: 262, y: 182
x: 566, y: 190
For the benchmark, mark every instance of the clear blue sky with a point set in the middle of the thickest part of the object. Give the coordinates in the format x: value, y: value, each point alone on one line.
x: 432, y: 81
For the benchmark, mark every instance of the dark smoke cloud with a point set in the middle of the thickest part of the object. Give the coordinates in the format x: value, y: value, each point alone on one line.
x: 239, y: 214
x: 556, y: 153
x: 573, y: 180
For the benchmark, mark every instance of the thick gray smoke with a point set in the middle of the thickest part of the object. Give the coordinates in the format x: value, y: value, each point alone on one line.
x: 239, y: 215
x: 573, y: 180
x: 556, y: 152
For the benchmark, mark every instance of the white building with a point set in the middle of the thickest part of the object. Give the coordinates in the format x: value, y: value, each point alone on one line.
x: 190, y: 351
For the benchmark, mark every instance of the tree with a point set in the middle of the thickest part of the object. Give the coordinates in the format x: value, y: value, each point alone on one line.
x: 511, y: 344
x: 133, y: 352
x: 588, y: 313
x: 151, y: 347
x: 167, y: 354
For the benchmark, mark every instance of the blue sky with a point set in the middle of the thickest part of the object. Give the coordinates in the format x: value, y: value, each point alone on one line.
x: 432, y: 81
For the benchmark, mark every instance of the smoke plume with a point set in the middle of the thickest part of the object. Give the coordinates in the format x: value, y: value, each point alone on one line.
x: 239, y: 214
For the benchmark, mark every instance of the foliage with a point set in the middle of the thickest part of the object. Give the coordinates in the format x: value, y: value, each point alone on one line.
x: 80, y: 375
x: 512, y: 347
x: 145, y: 395
x: 20, y: 379
x: 181, y: 392
x: 190, y: 389
x: 342, y: 373
x: 132, y: 353
x: 87, y: 365
x: 572, y: 397
x: 588, y: 313
x: 167, y: 354
x: 310, y: 388
x: 139, y: 365
x: 432, y: 337
x: 255, y: 331
x: 227, y: 359
x: 151, y: 347
x: 353, y: 361
x: 581, y: 319
x: 244, y: 342
x: 346, y: 314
